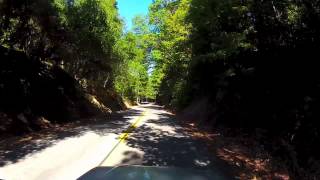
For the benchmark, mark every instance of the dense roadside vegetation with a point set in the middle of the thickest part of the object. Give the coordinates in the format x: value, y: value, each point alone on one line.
x: 250, y: 66
x: 64, y: 60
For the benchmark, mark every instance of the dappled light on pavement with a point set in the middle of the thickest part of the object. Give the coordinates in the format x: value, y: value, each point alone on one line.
x: 160, y: 140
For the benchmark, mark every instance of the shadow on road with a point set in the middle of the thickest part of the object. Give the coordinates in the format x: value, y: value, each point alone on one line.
x: 165, y: 142
x: 15, y: 148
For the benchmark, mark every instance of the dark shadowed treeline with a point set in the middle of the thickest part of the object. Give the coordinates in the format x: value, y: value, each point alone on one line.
x: 254, y: 62
x: 259, y: 69
x: 58, y: 61
x: 33, y: 93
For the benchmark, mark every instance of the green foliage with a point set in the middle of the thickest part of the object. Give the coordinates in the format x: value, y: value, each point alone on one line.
x: 140, y: 25
x: 132, y: 77
x: 81, y: 36
x: 252, y: 60
x: 172, y: 53
x: 95, y: 29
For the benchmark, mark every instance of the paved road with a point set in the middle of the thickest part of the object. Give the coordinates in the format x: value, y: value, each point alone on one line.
x: 157, y: 139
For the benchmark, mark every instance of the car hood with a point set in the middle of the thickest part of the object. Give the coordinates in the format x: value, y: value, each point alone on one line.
x: 149, y: 173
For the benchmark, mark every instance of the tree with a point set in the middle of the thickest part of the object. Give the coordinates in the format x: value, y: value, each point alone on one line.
x: 171, y: 52
x: 132, y: 74
x: 252, y: 61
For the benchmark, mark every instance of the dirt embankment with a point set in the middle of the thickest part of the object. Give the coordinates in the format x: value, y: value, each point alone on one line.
x: 34, y: 95
x: 252, y: 152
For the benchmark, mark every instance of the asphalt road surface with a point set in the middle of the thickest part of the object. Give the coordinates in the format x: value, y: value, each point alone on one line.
x: 144, y: 135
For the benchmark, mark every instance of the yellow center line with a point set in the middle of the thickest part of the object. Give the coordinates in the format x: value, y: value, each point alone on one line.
x: 125, y: 134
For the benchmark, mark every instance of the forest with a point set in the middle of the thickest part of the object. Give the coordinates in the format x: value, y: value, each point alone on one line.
x: 246, y: 66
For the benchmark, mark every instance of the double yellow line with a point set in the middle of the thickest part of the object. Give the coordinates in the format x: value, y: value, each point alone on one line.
x: 125, y: 134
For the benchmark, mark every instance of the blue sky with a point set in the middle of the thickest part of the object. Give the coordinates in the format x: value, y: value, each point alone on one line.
x: 129, y: 8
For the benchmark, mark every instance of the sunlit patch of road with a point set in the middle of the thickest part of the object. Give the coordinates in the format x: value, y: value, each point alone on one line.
x: 63, y: 160
x: 70, y: 157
